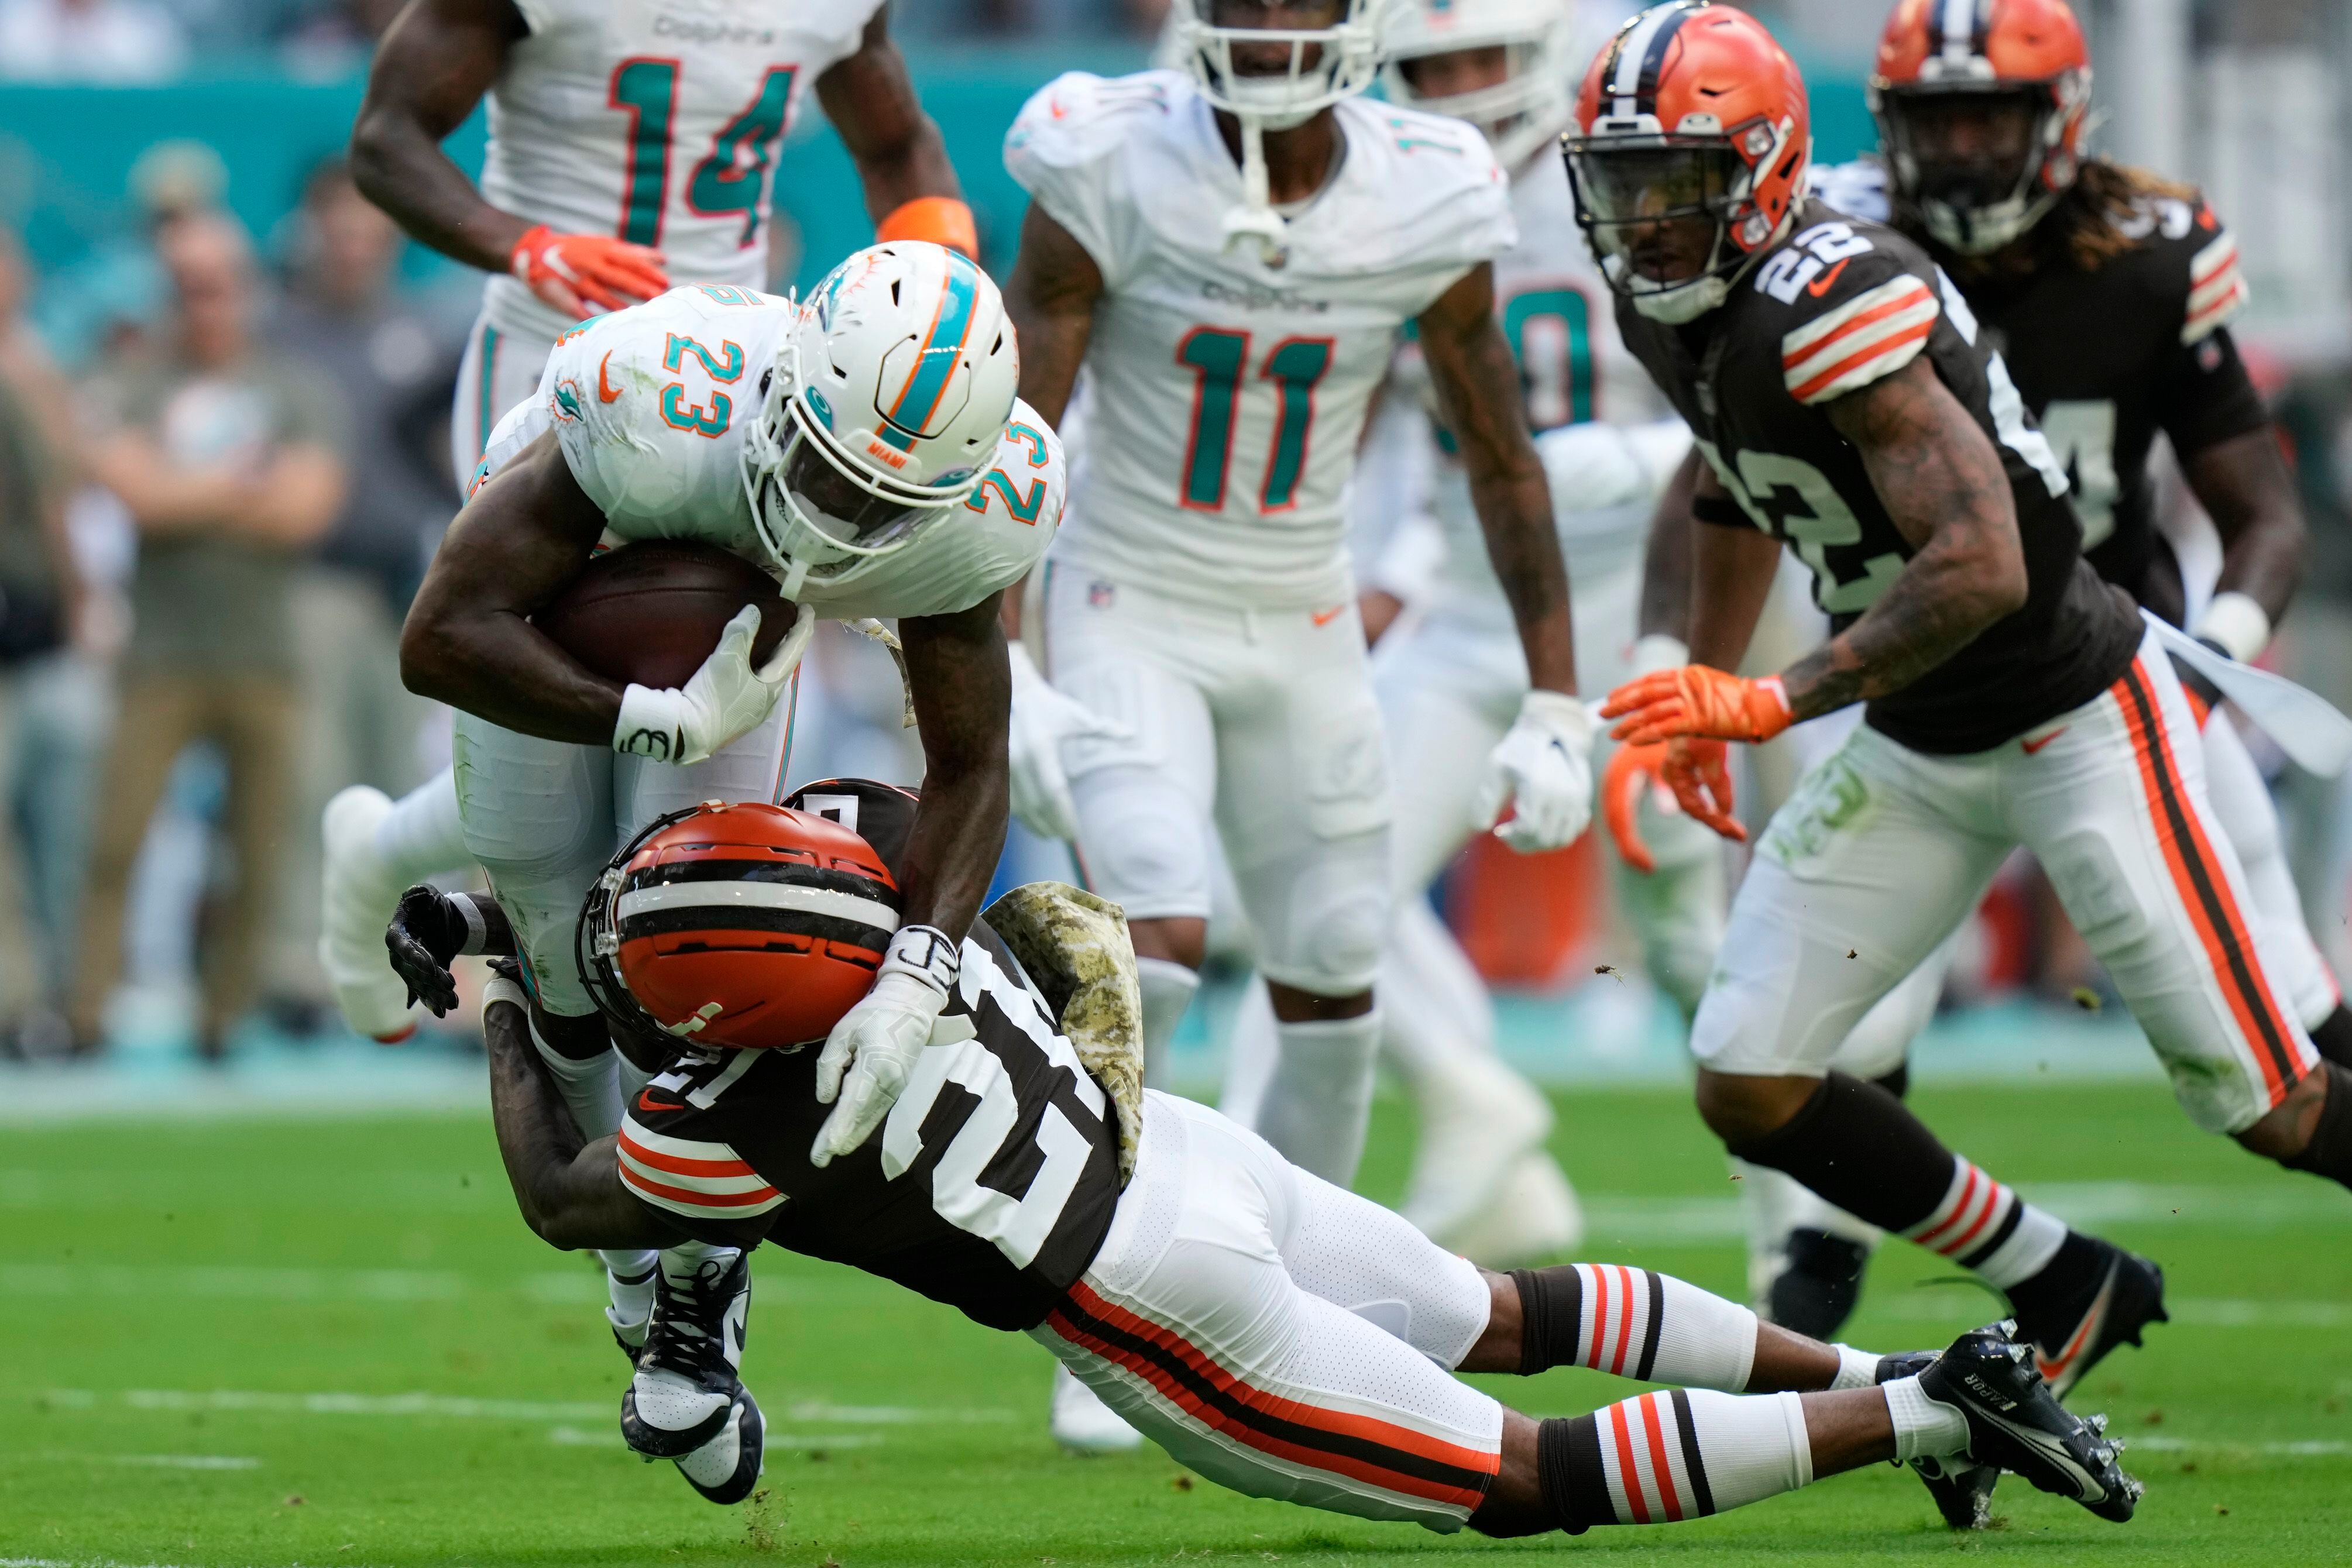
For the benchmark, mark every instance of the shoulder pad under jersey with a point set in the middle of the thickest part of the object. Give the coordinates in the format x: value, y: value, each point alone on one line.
x: 1849, y: 303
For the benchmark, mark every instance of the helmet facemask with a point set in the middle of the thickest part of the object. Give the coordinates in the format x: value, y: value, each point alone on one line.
x: 1316, y: 68
x: 1980, y: 161
x: 820, y: 510
x: 1669, y: 215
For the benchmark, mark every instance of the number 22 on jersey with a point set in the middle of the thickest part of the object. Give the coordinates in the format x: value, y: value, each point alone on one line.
x: 725, y: 180
x: 1219, y: 360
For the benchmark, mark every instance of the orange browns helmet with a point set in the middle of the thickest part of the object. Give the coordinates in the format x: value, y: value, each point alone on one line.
x: 1691, y: 114
x: 738, y: 926
x: 1982, y: 105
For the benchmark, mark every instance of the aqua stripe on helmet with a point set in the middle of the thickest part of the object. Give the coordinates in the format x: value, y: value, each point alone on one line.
x: 935, y: 362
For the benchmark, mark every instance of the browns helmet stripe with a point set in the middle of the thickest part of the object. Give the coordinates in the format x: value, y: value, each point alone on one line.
x: 740, y: 870
x: 1638, y: 56
x: 849, y: 934
x: 1963, y: 27
x: 755, y: 906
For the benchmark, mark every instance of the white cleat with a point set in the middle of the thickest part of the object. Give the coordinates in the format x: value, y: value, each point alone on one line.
x: 1083, y: 1424
x: 1476, y: 1124
x: 357, y: 900
x: 1534, y: 1218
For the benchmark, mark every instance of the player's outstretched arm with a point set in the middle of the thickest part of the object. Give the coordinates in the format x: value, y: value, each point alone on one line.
x: 432, y: 66
x: 2245, y: 487
x: 469, y: 640
x: 900, y: 156
x: 571, y: 1196
x: 1477, y: 384
x: 957, y: 670
x: 1941, y: 481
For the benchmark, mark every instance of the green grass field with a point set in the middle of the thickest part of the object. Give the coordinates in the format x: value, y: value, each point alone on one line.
x: 279, y: 1341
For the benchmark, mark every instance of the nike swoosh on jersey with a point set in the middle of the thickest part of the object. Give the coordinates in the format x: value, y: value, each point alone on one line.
x: 2031, y: 747
x: 645, y: 1102
x: 1324, y: 617
x: 608, y: 392
x: 1826, y: 281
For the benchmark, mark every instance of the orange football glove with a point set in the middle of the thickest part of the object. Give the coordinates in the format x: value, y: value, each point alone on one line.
x: 1693, y: 699
x: 1634, y: 771
x: 942, y: 220
x: 1696, y: 768
x: 572, y: 272
x: 1691, y: 773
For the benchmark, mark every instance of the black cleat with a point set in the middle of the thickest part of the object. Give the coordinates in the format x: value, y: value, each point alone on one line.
x: 684, y: 1389
x: 2015, y: 1423
x: 2117, y: 1295
x: 1818, y: 1290
x: 727, y: 1468
x: 1962, y: 1490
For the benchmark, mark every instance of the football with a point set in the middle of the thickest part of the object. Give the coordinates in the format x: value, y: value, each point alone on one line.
x: 650, y: 612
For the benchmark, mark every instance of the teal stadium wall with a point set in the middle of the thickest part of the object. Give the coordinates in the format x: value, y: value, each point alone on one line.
x: 65, y: 152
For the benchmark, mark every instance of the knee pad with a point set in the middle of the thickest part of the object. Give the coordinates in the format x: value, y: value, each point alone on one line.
x: 1141, y: 843
x: 1332, y: 927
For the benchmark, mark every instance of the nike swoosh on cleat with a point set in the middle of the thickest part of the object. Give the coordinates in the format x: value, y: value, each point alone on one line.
x: 1826, y: 281
x: 608, y: 392
x: 2054, y: 1367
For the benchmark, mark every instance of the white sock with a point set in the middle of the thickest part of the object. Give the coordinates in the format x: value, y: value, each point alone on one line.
x: 1857, y: 1368
x: 421, y: 837
x: 1923, y: 1425
x: 1318, y: 1102
x: 1166, y: 991
x: 1678, y: 1455
x: 629, y: 1286
x: 588, y: 1084
x: 1251, y: 1051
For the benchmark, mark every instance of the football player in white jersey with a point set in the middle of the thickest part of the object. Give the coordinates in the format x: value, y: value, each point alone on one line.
x: 867, y: 448
x: 1451, y: 679
x: 1230, y: 252
x: 629, y: 144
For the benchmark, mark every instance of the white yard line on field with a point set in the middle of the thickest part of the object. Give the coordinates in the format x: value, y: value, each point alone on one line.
x: 446, y: 1406
x: 1618, y: 1220
x: 2314, y: 1448
x: 1936, y: 1302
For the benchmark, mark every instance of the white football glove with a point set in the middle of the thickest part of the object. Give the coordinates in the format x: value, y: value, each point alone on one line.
x: 871, y: 1050
x: 724, y: 700
x: 1042, y: 718
x: 1543, y: 766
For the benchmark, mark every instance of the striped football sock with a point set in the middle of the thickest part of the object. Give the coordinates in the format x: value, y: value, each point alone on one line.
x: 1633, y: 1322
x: 1668, y: 1457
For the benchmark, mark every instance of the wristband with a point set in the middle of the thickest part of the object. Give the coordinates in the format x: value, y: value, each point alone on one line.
x: 477, y: 939
x: 1656, y: 652
x: 942, y: 220
x: 928, y: 954
x: 2237, y: 624
x: 502, y: 989
x: 648, y: 725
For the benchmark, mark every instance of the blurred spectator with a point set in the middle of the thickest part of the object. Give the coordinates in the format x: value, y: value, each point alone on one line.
x: 107, y: 301
x: 361, y: 726
x: 47, y: 728
x: 225, y: 454
x: 90, y: 41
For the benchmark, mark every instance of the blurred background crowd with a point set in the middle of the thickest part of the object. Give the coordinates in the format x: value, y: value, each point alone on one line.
x: 225, y: 380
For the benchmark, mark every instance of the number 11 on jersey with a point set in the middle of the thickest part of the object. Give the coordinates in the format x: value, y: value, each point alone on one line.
x: 1218, y: 358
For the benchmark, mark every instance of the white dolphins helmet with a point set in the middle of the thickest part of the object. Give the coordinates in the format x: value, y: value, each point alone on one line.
x: 1524, y: 112
x: 882, y: 411
x: 1344, y: 64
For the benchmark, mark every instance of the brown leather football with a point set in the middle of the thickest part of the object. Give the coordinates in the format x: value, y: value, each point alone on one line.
x: 650, y: 612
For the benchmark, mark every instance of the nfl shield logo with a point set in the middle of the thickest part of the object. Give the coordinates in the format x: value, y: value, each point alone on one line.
x: 1101, y: 595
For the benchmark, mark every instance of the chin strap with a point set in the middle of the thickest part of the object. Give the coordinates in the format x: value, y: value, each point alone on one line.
x: 1255, y: 217
x: 875, y: 630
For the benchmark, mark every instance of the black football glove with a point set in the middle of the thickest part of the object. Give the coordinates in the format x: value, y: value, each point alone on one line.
x: 427, y: 932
